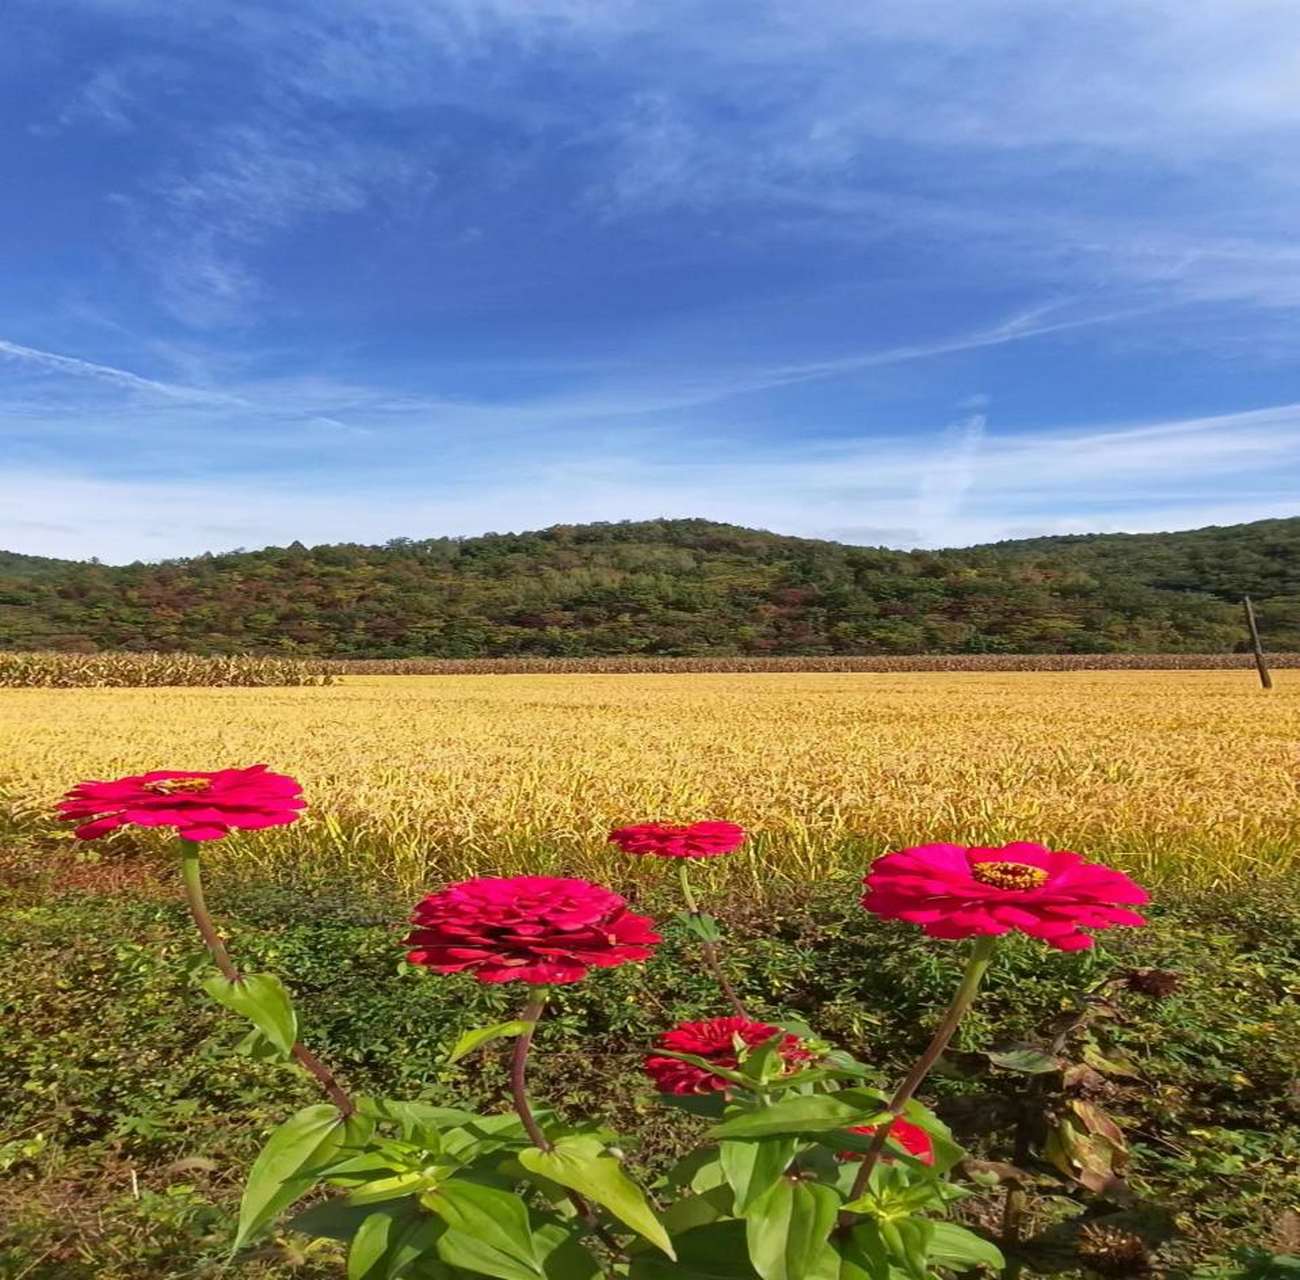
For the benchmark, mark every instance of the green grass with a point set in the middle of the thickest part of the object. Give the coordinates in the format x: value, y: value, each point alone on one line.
x: 129, y: 1116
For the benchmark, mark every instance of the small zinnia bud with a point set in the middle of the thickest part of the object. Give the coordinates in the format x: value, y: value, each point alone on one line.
x: 1156, y: 983
x: 1110, y: 1251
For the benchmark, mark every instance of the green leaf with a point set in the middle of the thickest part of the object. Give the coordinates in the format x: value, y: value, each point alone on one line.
x: 377, y: 1190
x: 908, y: 1240
x: 815, y: 1113
x: 713, y: 1252
x: 331, y: 1219
x: 687, y: 1212
x: 703, y: 926
x: 1108, y: 1066
x: 1032, y: 1062
x: 262, y: 999
x: 582, y: 1164
x: 285, y: 1168
x: 954, y: 1245
x: 563, y: 1255
x: 701, y: 1170
x: 390, y: 1240
x: 498, y: 1234
x: 752, y: 1168
x: 472, y: 1040
x: 787, y: 1230
x: 709, y: 1105
x: 863, y: 1255
x: 695, y: 1060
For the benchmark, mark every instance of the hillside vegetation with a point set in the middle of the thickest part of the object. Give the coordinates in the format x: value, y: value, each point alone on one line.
x: 671, y: 587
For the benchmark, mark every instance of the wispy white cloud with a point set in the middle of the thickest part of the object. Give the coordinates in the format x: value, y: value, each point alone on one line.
x: 74, y: 367
x: 945, y: 481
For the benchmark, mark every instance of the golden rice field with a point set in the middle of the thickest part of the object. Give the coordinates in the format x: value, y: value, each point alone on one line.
x: 1176, y: 776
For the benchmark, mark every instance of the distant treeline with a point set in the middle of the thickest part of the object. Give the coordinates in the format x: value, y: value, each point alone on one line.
x: 671, y: 589
x: 920, y: 662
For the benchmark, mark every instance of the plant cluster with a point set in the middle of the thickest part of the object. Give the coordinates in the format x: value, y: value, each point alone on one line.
x: 810, y: 1170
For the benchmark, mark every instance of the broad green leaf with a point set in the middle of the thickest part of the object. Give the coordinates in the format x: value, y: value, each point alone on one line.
x: 1108, y: 1066
x: 390, y: 1240
x: 563, y: 1255
x: 815, y: 1113
x: 713, y: 1252
x: 954, y: 1245
x: 709, y: 1105
x: 695, y: 1060
x: 286, y: 1167
x: 863, y: 1255
x: 256, y: 1046
x: 751, y: 1168
x: 1031, y: 1062
x: 788, y: 1228
x: 703, y: 926
x: 908, y: 1240
x: 367, y: 1258
x: 377, y: 1190
x: 582, y: 1164
x: 332, y: 1219
x: 497, y: 1222
x: 688, y: 1212
x: 700, y: 1170
x: 262, y: 999
x: 472, y: 1040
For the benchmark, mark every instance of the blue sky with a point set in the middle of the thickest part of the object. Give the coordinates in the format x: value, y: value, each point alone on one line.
x: 913, y: 272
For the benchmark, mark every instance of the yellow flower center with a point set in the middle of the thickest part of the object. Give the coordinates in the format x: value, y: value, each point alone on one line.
x: 170, y: 786
x: 1008, y: 875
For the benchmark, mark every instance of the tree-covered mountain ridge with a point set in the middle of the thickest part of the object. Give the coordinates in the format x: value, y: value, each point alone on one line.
x: 671, y: 587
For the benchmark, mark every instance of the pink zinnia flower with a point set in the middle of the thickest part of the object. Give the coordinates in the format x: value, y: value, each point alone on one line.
x: 201, y: 806
x: 699, y: 840
x: 913, y: 1139
x: 955, y: 892
x: 721, y: 1041
x: 535, y: 929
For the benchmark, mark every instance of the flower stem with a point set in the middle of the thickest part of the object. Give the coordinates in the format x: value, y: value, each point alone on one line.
x: 531, y: 1014
x: 192, y: 875
x: 710, y: 949
x: 981, y: 954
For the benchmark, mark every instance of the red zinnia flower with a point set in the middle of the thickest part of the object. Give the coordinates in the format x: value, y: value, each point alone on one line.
x: 914, y: 1140
x: 699, y: 840
x: 536, y: 929
x: 955, y: 892
x: 201, y: 806
x: 721, y: 1041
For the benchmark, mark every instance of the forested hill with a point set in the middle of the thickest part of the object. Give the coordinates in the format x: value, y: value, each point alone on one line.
x: 687, y: 587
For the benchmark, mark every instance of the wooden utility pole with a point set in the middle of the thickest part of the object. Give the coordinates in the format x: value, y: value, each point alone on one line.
x: 1265, y: 676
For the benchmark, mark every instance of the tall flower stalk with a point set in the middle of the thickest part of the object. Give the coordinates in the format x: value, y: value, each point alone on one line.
x: 530, y: 1016
x: 960, y: 1005
x: 688, y: 844
x: 704, y: 927
x: 192, y: 876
